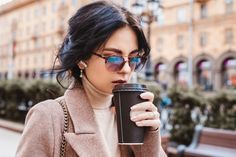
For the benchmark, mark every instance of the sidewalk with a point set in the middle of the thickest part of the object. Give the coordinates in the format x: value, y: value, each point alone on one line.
x: 9, y: 142
x: 13, y: 126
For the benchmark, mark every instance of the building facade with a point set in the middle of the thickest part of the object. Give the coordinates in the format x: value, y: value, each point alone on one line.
x: 205, y: 33
x: 202, y: 35
x: 30, y: 35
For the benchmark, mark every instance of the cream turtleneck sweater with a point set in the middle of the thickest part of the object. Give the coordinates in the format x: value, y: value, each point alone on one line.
x: 104, y: 115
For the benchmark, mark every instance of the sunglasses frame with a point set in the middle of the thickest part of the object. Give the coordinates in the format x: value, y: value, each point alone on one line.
x: 143, y: 60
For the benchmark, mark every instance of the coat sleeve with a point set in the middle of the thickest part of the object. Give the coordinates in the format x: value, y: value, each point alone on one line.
x: 151, y: 146
x: 38, y: 136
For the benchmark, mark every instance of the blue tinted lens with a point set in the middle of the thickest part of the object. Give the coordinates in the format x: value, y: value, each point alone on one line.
x: 135, y: 60
x: 115, y: 59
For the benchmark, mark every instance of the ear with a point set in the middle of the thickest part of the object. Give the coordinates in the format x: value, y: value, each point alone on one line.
x: 82, y: 65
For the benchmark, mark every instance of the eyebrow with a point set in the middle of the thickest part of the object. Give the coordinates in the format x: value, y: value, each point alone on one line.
x: 119, y: 51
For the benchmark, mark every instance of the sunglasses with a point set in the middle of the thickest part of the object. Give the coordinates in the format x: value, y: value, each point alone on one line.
x: 116, y: 63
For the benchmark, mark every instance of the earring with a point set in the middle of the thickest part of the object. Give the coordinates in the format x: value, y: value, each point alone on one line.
x: 82, y: 66
x: 81, y: 73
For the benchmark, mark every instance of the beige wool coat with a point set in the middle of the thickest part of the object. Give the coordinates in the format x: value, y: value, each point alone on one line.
x: 42, y: 134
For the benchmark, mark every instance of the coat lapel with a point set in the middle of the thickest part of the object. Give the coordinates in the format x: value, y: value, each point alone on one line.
x: 87, y: 139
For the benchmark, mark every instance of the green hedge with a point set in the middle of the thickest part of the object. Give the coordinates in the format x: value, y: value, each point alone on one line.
x: 17, y: 96
x: 222, y: 111
x: 216, y: 110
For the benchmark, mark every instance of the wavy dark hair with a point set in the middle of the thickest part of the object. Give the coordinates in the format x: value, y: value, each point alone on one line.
x: 89, y: 29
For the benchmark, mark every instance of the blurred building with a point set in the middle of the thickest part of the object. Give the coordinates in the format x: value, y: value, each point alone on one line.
x: 211, y: 42
x: 32, y: 31
x: 30, y: 35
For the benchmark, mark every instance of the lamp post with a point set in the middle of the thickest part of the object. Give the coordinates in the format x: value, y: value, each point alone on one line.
x: 148, y: 11
x: 190, y: 53
x: 12, y: 50
x: 63, y: 11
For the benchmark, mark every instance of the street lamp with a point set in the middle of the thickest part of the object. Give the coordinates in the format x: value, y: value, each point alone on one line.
x: 190, y: 52
x: 62, y: 14
x: 11, y: 54
x: 148, y: 11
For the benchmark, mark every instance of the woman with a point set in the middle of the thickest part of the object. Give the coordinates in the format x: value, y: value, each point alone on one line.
x: 104, y: 45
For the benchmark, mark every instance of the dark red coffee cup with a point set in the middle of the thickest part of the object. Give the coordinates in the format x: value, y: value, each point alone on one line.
x: 125, y: 96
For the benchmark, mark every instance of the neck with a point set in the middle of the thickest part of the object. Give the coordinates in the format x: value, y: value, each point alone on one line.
x: 97, y: 98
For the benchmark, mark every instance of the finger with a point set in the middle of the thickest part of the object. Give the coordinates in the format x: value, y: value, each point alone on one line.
x: 145, y: 116
x: 144, y: 106
x: 149, y: 123
x: 148, y: 96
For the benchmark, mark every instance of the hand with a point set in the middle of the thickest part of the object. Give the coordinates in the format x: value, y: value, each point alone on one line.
x: 146, y: 113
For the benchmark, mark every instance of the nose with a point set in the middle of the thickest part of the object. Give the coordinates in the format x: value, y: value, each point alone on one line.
x: 126, y: 68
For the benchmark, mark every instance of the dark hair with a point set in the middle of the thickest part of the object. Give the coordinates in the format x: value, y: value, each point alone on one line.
x: 89, y: 29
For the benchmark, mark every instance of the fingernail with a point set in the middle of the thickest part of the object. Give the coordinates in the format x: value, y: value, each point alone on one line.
x: 133, y: 118
x: 141, y: 94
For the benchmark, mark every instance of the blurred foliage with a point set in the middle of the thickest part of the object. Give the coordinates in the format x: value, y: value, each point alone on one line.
x: 192, y: 107
x: 153, y: 87
x: 18, y: 96
x: 222, y: 111
x: 188, y: 108
x: 184, y: 102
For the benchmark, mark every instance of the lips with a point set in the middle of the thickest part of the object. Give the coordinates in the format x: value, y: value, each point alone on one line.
x: 119, y: 81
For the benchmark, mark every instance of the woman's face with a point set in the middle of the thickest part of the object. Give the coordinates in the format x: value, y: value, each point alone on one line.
x: 123, y: 42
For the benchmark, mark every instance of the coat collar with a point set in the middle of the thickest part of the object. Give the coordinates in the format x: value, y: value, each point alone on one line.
x: 80, y: 110
x: 86, y: 139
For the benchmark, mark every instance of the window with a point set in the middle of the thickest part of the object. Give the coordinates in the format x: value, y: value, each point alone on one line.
x: 27, y: 61
x: 28, y: 15
x: 43, y: 26
x: 203, y: 12
x: 180, y: 41
x: 203, y: 39
x: 43, y: 42
x: 37, y: 43
x: 28, y: 45
x: 160, y: 44
x: 52, y: 24
x: 20, y: 17
x: 54, y: 7
x: 229, y: 6
x: 181, y: 73
x: 161, y: 17
x: 20, y: 62
x: 52, y: 40
x: 35, y: 61
x: 44, y: 10
x: 229, y: 36
x: 28, y: 30
x: 63, y: 1
x: 229, y: 73
x: 204, y: 75
x: 36, y: 30
x: 36, y: 12
x: 160, y: 74
x: 181, y: 15
x: 74, y: 2
x: 125, y: 3
x: 43, y: 59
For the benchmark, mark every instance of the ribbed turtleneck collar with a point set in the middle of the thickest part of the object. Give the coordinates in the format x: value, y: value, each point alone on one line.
x: 97, y: 98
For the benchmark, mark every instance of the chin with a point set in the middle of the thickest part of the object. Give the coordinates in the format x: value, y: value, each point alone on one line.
x: 108, y: 91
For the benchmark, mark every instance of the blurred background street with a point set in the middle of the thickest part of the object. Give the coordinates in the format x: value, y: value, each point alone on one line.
x: 9, y: 142
x: 191, y: 69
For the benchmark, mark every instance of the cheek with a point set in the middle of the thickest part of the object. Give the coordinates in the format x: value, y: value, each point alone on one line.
x: 98, y: 74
